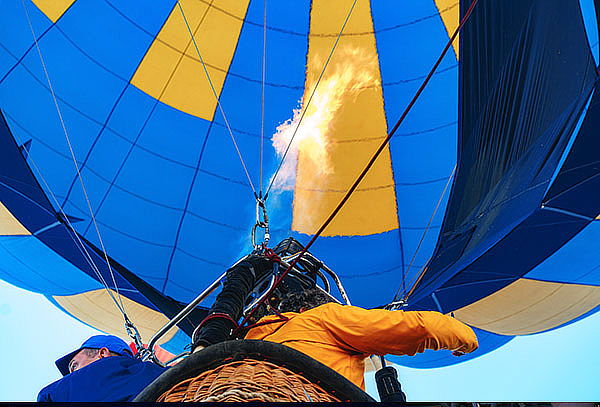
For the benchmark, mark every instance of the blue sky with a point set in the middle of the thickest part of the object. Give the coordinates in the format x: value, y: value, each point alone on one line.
x: 561, y: 365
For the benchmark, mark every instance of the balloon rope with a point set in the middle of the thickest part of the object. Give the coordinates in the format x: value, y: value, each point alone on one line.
x: 305, y: 108
x: 62, y: 122
x: 424, y: 268
x: 212, y: 87
x: 262, y: 102
x: 75, y: 236
x: 369, y: 164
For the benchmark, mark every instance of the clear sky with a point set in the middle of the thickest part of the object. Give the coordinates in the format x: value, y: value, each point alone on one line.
x: 560, y: 365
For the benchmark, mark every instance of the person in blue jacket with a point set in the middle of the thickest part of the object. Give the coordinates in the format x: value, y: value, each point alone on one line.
x: 103, y: 368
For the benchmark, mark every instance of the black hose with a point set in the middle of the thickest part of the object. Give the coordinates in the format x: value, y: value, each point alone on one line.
x: 238, y: 284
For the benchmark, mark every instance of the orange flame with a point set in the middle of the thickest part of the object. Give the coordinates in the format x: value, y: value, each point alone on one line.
x: 350, y: 74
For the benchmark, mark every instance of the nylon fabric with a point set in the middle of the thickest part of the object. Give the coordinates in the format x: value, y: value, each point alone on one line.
x: 175, y: 208
x: 9, y: 225
x: 53, y: 9
x: 508, y: 153
x: 580, y: 173
x: 320, y: 184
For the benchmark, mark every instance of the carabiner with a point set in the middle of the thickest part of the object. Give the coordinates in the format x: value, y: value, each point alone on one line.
x: 143, y: 352
x: 261, y: 222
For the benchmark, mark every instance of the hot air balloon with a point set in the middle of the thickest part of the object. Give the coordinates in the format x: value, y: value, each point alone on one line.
x: 141, y: 142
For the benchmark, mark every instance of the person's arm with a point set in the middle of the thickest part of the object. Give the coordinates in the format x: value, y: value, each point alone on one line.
x: 380, y: 332
x: 238, y: 284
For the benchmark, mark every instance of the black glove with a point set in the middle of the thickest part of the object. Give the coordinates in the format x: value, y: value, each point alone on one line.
x: 239, y: 283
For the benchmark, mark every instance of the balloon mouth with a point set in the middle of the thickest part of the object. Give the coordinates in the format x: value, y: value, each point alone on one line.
x: 307, y: 273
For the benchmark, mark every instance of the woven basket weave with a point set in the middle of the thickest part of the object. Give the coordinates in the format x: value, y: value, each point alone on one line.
x: 247, y: 380
x: 251, y: 370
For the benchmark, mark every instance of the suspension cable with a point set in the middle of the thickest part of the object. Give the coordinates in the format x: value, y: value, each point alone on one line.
x: 64, y: 128
x: 412, y: 260
x: 212, y: 87
x: 75, y: 237
x: 262, y: 102
x: 72, y: 234
x: 305, y: 108
x: 369, y: 164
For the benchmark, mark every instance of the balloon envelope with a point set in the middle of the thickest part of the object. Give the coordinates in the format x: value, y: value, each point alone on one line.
x: 136, y: 136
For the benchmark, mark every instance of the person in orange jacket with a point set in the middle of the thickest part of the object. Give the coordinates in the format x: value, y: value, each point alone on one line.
x: 339, y: 336
x: 342, y: 336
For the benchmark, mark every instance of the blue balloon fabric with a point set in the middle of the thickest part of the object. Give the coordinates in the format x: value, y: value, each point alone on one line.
x: 135, y: 137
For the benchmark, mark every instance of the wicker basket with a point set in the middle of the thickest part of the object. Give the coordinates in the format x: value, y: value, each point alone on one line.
x: 247, y: 370
x: 247, y: 380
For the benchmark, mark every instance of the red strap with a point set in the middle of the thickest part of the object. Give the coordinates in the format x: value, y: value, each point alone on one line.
x: 279, y: 314
x: 271, y: 255
x: 218, y: 315
x: 134, y: 349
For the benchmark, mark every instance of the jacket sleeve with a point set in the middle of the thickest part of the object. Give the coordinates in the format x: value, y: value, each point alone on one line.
x: 380, y: 332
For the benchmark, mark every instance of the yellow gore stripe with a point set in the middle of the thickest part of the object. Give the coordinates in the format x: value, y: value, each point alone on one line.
x: 530, y: 306
x: 171, y: 70
x: 53, y: 9
x: 450, y: 12
x: 98, y: 309
x: 9, y: 225
x: 356, y: 129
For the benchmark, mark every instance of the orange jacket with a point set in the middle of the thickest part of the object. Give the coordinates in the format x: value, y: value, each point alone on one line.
x: 342, y: 336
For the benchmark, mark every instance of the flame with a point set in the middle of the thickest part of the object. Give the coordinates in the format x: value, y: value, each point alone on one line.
x: 349, y: 74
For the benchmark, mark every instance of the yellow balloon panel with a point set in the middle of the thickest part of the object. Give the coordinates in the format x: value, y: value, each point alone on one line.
x: 351, y: 119
x: 450, y: 12
x: 172, y: 71
x: 53, y: 9
x: 530, y: 306
x: 98, y: 309
x: 9, y: 225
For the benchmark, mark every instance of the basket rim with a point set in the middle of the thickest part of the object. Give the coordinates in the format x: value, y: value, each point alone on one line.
x: 236, y: 350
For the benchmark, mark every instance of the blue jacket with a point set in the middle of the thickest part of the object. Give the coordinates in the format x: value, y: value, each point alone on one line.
x: 116, y: 378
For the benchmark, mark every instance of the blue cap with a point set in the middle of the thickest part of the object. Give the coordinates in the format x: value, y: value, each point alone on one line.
x: 112, y: 343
